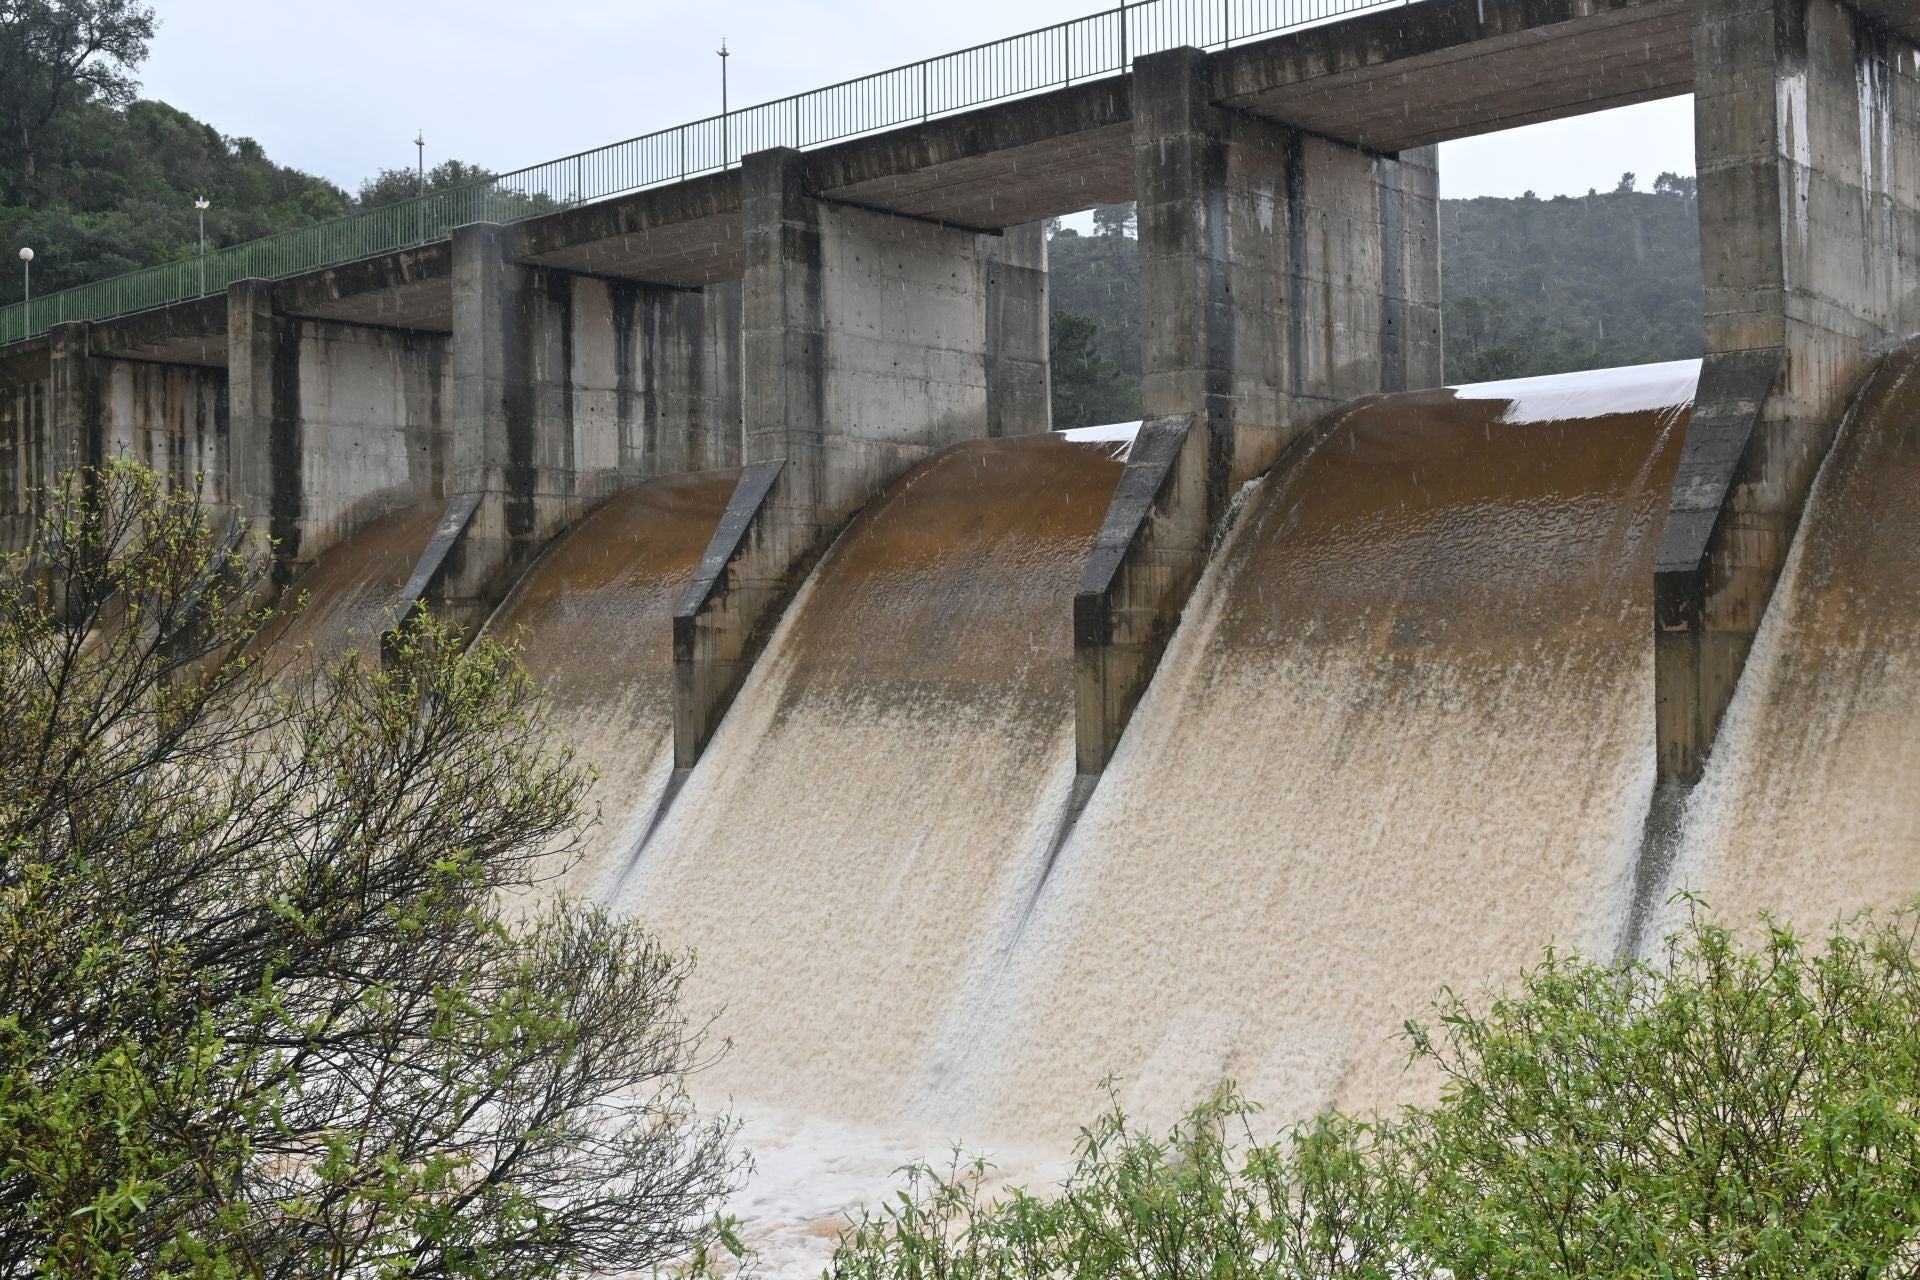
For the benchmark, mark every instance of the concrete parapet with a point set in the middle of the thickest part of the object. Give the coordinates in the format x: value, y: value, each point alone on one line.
x: 1148, y: 555
x: 24, y: 373
x: 1807, y: 129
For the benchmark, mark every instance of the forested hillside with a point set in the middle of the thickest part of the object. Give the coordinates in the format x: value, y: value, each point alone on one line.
x: 1530, y: 286
x: 99, y: 182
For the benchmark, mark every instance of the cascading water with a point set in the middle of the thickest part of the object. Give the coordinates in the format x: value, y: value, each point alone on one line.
x: 877, y: 806
x: 1810, y: 806
x: 349, y: 595
x: 593, y: 620
x: 1402, y: 739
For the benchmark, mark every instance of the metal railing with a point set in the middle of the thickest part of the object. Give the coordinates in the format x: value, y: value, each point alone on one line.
x: 1100, y: 45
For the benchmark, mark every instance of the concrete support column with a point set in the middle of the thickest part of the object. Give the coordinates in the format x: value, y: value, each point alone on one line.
x: 1019, y: 374
x: 263, y: 424
x: 1281, y: 274
x: 24, y: 446
x: 1807, y: 128
x: 865, y: 348
x: 75, y: 434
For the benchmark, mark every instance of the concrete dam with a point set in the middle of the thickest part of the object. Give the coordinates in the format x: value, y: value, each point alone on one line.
x: 979, y: 760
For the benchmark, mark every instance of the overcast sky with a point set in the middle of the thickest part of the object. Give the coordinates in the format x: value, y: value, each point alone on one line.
x: 339, y: 89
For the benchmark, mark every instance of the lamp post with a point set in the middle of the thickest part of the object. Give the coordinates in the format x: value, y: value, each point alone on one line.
x: 420, y: 146
x: 26, y: 287
x: 202, y: 204
x: 726, y: 143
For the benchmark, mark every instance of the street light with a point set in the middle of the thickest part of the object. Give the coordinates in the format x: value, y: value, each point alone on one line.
x: 26, y: 286
x: 201, y: 203
x: 726, y: 146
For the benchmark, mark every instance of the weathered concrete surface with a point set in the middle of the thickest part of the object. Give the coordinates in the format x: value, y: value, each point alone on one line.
x: 25, y: 372
x: 1443, y: 69
x: 865, y: 349
x: 687, y: 235
x: 1902, y: 17
x: 568, y: 387
x: 1807, y: 128
x: 405, y: 289
x: 64, y: 404
x: 1137, y: 580
x: 332, y: 424
x: 1281, y: 275
x: 1019, y: 320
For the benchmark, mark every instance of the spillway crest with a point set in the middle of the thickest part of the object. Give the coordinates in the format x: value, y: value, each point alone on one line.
x: 879, y: 802
x: 593, y: 620
x: 1402, y: 739
x: 1810, y: 806
x: 349, y: 595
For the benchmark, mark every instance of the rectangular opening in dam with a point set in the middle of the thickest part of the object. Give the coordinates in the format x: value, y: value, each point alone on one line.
x: 1571, y: 244
x: 1094, y: 316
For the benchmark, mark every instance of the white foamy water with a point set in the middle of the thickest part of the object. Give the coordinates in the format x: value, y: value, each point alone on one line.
x: 1402, y: 739
x: 1595, y: 393
x: 1810, y: 806
x: 880, y: 798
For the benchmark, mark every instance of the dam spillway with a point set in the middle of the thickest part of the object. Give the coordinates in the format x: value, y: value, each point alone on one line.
x: 592, y: 620
x: 353, y: 591
x: 1402, y: 740
x: 878, y: 806
x: 1810, y: 806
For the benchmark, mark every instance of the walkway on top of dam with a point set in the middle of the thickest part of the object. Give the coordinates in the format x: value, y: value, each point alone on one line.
x: 1381, y: 76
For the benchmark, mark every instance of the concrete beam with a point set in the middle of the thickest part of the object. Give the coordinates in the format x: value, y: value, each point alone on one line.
x: 686, y: 235
x: 1442, y: 69
x: 192, y: 332
x: 1000, y: 166
x: 404, y: 289
x: 1807, y: 125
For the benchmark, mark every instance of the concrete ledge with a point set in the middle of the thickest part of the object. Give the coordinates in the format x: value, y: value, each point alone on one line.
x: 729, y: 609
x: 1145, y: 561
x: 1695, y: 665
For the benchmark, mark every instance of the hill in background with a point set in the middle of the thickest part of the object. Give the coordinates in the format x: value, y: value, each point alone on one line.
x: 1530, y: 286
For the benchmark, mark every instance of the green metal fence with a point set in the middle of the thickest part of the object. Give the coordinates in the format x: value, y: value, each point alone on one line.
x: 1087, y: 48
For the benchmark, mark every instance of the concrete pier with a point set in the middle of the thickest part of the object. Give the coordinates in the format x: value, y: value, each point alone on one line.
x: 1281, y: 274
x: 1808, y: 137
x: 866, y: 347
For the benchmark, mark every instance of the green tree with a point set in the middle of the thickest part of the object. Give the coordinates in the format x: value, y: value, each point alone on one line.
x: 58, y: 53
x: 263, y: 1009
x: 1088, y: 389
x: 392, y: 185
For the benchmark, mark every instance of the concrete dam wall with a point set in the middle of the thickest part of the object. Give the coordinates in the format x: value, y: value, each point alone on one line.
x: 980, y: 761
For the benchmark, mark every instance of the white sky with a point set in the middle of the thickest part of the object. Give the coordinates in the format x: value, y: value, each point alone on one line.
x: 339, y: 89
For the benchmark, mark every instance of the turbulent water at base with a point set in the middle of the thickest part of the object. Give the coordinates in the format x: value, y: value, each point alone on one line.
x: 593, y: 620
x: 1810, y: 806
x: 881, y: 798
x: 349, y: 595
x: 1402, y: 739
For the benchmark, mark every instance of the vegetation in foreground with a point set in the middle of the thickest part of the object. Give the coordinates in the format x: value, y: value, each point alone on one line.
x: 262, y: 1011
x: 1748, y: 1111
